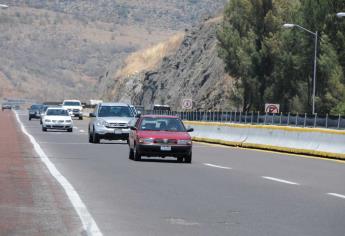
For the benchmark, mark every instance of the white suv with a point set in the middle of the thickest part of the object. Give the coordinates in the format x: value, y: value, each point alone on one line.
x: 110, y: 121
x: 74, y: 107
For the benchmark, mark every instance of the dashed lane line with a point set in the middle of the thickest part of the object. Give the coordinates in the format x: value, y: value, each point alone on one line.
x: 280, y: 180
x: 337, y: 195
x: 217, y: 166
x: 89, y: 224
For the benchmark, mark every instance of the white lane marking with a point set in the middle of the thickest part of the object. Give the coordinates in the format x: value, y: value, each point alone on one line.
x: 280, y: 180
x: 75, y: 127
x: 337, y: 195
x: 89, y: 224
x: 56, y: 143
x: 216, y: 166
x: 82, y: 131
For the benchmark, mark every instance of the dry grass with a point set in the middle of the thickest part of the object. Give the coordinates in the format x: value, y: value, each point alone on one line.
x: 148, y: 59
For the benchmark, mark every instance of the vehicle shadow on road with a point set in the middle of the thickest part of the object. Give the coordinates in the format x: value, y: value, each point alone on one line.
x: 160, y: 160
x: 102, y: 143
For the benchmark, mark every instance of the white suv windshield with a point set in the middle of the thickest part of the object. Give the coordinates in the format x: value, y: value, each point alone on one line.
x: 71, y: 104
x: 57, y: 112
x: 109, y: 111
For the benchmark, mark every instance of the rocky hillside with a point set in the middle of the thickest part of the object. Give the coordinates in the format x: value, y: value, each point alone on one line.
x: 190, y: 69
x: 51, y: 50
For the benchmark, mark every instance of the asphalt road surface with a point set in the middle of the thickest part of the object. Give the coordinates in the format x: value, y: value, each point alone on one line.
x: 225, y: 191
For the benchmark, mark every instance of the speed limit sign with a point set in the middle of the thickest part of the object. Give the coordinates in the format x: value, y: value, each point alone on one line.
x: 187, y: 103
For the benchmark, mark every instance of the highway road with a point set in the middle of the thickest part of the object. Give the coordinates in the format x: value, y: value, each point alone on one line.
x: 225, y: 191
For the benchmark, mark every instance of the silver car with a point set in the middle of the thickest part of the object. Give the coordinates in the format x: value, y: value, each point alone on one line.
x: 110, y: 121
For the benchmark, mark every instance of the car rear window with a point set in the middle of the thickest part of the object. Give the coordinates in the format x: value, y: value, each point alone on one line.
x: 36, y: 106
x: 71, y: 104
x: 162, y: 124
x: 118, y: 111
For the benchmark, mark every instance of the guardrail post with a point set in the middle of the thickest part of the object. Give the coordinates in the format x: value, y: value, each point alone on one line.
x: 280, y: 119
x: 240, y: 120
x: 245, y: 119
x: 221, y: 116
x: 258, y: 118
x: 296, y: 124
x: 251, y: 120
x: 230, y: 116
x: 235, y: 116
x: 265, y: 118
x: 326, y: 120
x: 273, y: 119
x: 339, y: 122
x: 305, y: 120
x: 288, y: 120
x: 315, y: 120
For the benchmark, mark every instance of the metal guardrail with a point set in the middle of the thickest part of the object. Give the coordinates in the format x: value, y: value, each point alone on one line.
x: 257, y: 118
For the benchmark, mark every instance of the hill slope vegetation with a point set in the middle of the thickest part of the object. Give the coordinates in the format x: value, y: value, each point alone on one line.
x: 52, y: 50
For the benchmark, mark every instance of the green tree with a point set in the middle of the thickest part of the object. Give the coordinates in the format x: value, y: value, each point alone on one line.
x: 247, y: 41
x: 275, y: 65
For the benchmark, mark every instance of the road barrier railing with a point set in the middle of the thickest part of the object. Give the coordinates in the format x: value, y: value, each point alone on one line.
x: 311, y: 141
x: 257, y: 118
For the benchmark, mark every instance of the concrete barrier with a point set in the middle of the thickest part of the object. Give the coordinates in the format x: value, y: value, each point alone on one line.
x: 310, y: 141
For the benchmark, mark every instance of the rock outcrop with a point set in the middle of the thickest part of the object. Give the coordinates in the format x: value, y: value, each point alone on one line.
x: 193, y: 70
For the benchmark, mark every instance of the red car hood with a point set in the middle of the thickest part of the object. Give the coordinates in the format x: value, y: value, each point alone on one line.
x: 164, y: 135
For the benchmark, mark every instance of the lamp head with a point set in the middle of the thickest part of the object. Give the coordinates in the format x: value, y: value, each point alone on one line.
x: 289, y: 25
x: 340, y: 14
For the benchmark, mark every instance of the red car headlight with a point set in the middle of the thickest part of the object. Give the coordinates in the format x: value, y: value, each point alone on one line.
x: 184, y: 142
x: 146, y: 140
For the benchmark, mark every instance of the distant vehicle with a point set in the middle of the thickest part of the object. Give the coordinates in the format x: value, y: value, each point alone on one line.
x: 94, y: 102
x: 57, y: 118
x: 134, y: 110
x: 139, y: 108
x: 74, y: 108
x: 110, y: 121
x: 162, y: 136
x: 6, y: 106
x: 35, y: 111
x: 157, y: 107
x: 43, y: 111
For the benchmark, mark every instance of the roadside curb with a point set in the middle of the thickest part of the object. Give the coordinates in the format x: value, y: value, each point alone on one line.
x: 326, y: 155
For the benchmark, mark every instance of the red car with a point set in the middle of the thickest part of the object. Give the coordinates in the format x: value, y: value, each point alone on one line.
x: 162, y: 136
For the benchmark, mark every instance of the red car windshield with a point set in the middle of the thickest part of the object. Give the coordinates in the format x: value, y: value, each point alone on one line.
x: 162, y: 124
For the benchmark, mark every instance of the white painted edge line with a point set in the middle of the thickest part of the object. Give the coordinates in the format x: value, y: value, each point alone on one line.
x: 337, y: 195
x: 87, y: 220
x: 280, y: 180
x: 82, y: 131
x: 216, y: 166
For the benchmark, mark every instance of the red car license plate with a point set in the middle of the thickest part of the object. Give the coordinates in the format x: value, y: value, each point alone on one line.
x: 165, y: 148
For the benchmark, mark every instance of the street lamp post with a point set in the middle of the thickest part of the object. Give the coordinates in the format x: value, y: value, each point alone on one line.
x: 315, y: 34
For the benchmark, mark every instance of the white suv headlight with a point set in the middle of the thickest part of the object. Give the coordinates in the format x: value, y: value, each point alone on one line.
x: 101, y: 122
